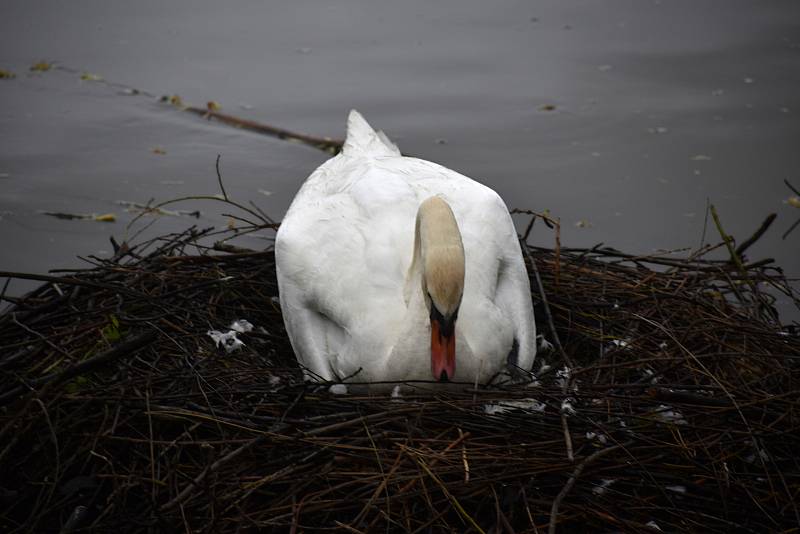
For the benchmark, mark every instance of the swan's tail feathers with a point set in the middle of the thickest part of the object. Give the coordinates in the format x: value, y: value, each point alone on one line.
x: 362, y: 139
x: 388, y: 143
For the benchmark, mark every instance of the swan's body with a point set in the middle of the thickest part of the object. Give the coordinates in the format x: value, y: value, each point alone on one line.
x: 355, y: 278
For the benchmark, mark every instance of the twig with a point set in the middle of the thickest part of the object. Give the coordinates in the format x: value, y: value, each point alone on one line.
x: 747, y: 243
x: 735, y: 258
x: 728, y: 240
x: 573, y: 478
x: 219, y: 178
x: 546, y: 306
x: 567, y: 437
x: 791, y: 228
x: 449, y: 495
x: 125, y: 348
x: 70, y: 281
x: 187, y: 491
x: 322, y: 143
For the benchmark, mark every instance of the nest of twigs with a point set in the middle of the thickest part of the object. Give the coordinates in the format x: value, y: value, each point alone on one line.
x: 669, y: 401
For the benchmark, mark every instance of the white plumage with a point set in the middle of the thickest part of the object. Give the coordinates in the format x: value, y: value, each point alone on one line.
x: 343, y: 253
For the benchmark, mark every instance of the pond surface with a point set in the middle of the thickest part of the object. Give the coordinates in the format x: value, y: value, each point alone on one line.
x: 622, y: 118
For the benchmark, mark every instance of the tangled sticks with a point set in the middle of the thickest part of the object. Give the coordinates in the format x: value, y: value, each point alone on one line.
x: 680, y: 408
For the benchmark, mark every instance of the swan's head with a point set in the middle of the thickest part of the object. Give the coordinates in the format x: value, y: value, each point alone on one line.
x: 442, y: 257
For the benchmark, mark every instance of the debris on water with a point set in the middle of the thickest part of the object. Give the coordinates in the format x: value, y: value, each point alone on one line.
x: 104, y: 217
x: 158, y: 150
x: 793, y: 201
x: 440, y: 141
x: 304, y: 50
x: 676, y: 488
x: 604, y: 68
x: 227, y: 340
x: 41, y: 66
x: 531, y: 405
x: 652, y: 524
x: 547, y: 107
x: 213, y: 105
x: 7, y: 75
x: 5, y: 175
x: 583, y: 223
x: 701, y: 157
x: 397, y: 392
x: 265, y: 192
x: 175, y: 100
x: 717, y: 92
x: 749, y: 80
x: 89, y: 77
x: 136, y: 207
x: 130, y: 91
x: 245, y: 106
x: 241, y: 325
x: 338, y: 389
x: 658, y: 130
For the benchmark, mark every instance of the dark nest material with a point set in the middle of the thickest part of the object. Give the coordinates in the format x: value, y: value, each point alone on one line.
x: 671, y: 401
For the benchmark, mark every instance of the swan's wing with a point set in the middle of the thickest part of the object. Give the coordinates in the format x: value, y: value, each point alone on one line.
x: 496, y: 275
x: 513, y: 294
x: 342, y: 253
x: 304, y: 257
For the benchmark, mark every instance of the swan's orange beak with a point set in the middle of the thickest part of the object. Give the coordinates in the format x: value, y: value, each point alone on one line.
x: 443, y: 349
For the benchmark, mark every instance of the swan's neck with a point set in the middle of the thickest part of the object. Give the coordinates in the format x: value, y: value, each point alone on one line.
x: 433, y: 288
x: 437, y: 267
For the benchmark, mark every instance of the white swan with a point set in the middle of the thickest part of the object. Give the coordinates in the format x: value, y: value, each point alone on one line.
x: 393, y: 268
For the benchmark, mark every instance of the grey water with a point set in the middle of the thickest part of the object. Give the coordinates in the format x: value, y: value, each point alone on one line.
x: 623, y: 118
